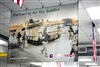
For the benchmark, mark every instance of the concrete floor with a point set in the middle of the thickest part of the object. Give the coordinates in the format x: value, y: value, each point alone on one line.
x: 60, y: 46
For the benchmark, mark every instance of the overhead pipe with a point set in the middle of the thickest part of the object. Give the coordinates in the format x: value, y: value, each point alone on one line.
x: 90, y: 52
x: 4, y: 37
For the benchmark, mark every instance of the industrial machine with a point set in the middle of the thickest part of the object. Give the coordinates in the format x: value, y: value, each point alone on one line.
x: 35, y: 35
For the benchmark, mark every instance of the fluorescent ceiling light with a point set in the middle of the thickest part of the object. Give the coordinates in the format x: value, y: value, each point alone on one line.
x: 2, y: 42
x: 85, y: 59
x: 94, y: 12
x: 98, y: 30
x: 90, y: 63
x: 38, y: 64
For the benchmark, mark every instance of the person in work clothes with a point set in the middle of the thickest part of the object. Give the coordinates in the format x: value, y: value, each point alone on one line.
x: 45, y: 42
x: 71, y: 32
x: 18, y: 38
x: 74, y: 48
x: 25, y: 40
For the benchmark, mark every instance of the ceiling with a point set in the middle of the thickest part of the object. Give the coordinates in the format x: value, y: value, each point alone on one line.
x: 6, y: 6
x: 82, y: 63
x: 85, y: 27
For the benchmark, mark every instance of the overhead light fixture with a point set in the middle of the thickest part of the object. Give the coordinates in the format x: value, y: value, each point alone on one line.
x: 2, y: 42
x: 94, y: 12
x: 38, y: 64
x: 98, y: 30
x: 90, y: 63
x: 61, y: 25
x: 85, y: 59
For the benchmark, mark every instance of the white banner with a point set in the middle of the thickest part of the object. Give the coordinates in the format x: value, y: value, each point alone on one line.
x: 46, y: 31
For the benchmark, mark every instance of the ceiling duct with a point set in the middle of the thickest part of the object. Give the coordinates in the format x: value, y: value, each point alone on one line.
x: 4, y: 37
x: 82, y: 49
x: 90, y: 51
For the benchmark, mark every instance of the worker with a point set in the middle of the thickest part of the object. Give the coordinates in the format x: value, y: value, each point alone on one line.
x: 25, y: 38
x: 45, y: 41
x: 71, y: 32
x: 74, y: 48
x: 18, y: 38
